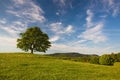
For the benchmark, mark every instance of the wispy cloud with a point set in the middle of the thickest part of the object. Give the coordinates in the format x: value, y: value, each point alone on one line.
x: 60, y: 2
x: 8, y: 30
x: 59, y: 28
x: 110, y: 2
x: 89, y: 18
x: 62, y: 6
x: 79, y: 42
x: 19, y: 2
x: 103, y: 16
x: 69, y: 29
x: 116, y: 11
x: 110, y: 7
x: 114, y: 6
x: 55, y: 27
x: 94, y: 34
x: 93, y: 31
x: 27, y: 10
x: 13, y: 28
x: 54, y: 38
x: 3, y: 21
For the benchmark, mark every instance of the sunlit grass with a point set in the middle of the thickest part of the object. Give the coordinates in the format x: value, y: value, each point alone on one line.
x: 39, y: 67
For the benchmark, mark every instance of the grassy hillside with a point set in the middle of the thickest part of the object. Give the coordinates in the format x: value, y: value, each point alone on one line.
x: 38, y: 67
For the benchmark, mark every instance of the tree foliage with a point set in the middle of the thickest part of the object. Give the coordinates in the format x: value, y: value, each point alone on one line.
x: 114, y: 56
x: 94, y: 59
x: 118, y: 57
x: 106, y: 60
x: 34, y: 40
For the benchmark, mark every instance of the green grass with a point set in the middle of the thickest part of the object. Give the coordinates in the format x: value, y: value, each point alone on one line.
x: 39, y: 67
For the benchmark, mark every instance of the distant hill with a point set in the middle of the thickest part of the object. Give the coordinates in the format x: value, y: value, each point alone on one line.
x: 71, y: 54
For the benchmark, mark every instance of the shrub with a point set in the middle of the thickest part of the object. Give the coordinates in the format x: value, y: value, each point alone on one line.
x: 114, y: 56
x: 106, y: 60
x: 84, y: 59
x: 94, y: 59
x: 118, y: 57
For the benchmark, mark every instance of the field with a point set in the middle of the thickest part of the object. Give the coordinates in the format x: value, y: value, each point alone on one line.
x: 38, y: 67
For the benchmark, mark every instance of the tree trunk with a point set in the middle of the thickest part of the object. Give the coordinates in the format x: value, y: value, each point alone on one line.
x: 31, y: 48
x: 31, y: 51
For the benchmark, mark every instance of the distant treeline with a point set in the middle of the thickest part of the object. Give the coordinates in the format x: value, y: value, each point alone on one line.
x: 105, y: 59
x: 73, y: 56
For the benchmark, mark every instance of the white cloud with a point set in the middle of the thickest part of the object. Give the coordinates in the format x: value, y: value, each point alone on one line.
x: 89, y: 18
x: 58, y: 28
x: 111, y: 6
x: 61, y: 3
x: 54, y: 38
x: 14, y: 28
x: 80, y: 41
x: 57, y: 13
x: 9, y: 30
x: 27, y: 10
x: 18, y: 2
x: 94, y: 34
x: 19, y: 23
x: 62, y: 6
x: 110, y: 2
x: 93, y: 31
x: 13, y: 12
x: 115, y: 11
x: 103, y: 16
x: 2, y: 21
x: 69, y: 29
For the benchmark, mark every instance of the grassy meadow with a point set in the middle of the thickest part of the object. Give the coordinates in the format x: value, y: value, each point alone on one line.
x: 39, y: 67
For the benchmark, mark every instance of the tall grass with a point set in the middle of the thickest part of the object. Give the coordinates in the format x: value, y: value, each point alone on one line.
x: 39, y: 67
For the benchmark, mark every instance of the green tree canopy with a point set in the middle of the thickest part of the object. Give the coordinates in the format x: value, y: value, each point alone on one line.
x: 106, y: 60
x: 33, y: 39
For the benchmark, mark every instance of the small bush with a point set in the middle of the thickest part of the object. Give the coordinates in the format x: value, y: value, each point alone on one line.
x: 118, y: 57
x: 106, y: 60
x: 84, y: 59
x: 114, y: 56
x: 94, y: 60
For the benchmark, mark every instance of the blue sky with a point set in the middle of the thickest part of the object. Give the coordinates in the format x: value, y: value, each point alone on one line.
x: 84, y: 26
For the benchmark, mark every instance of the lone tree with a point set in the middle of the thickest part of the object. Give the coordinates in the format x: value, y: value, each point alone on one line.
x: 34, y: 40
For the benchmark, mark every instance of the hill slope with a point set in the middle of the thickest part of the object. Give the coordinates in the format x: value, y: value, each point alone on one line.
x: 38, y: 67
x: 71, y: 54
